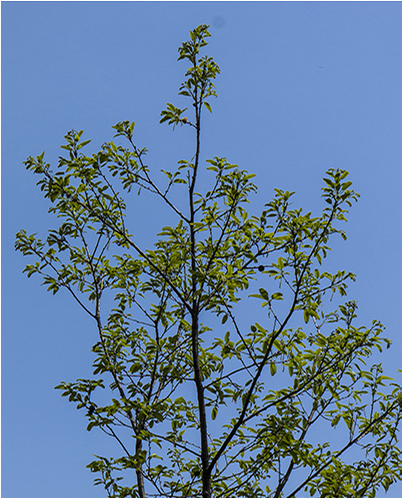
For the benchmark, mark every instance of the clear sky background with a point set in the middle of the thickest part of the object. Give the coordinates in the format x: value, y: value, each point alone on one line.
x: 303, y: 87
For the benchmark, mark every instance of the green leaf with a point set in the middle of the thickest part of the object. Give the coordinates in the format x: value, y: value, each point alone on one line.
x: 208, y: 106
x: 214, y: 413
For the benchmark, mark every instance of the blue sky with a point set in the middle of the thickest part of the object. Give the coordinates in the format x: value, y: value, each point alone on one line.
x: 303, y: 87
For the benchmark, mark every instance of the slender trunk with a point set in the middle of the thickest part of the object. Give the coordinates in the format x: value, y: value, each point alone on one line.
x: 206, y: 474
x: 140, y: 477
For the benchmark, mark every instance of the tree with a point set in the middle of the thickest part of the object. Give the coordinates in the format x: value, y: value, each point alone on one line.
x: 203, y: 399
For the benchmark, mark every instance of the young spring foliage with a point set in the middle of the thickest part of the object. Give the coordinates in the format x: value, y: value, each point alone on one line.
x: 205, y: 400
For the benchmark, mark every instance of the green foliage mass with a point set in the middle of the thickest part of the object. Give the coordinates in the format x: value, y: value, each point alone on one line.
x: 203, y: 399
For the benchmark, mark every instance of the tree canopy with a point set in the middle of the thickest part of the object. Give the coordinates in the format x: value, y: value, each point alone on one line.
x: 204, y: 394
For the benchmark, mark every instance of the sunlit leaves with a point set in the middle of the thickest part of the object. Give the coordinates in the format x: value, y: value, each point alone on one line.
x: 198, y: 389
